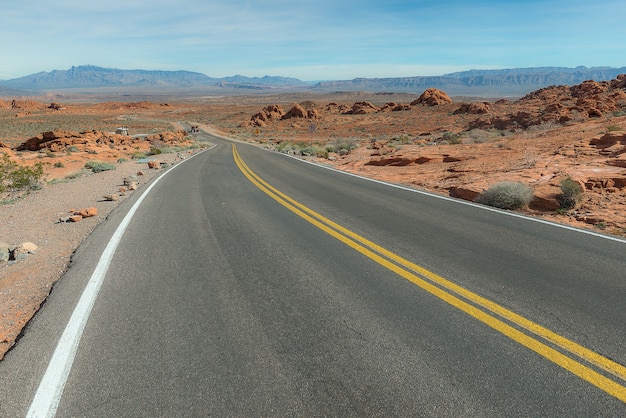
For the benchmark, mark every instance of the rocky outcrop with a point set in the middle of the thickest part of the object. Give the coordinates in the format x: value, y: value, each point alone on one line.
x: 394, y: 107
x: 432, y: 97
x: 57, y: 141
x: 268, y: 113
x: 296, y: 111
x: 472, y: 109
x: 362, y: 108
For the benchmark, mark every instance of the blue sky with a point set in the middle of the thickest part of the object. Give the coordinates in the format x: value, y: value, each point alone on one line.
x: 310, y: 40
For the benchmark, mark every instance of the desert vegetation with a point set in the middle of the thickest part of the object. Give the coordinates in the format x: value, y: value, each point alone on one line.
x: 15, y: 178
x: 507, y: 195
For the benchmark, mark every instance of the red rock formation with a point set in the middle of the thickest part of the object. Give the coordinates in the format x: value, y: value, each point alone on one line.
x: 433, y: 97
x: 362, y: 108
x: 472, y: 109
x: 296, y: 111
x: 268, y: 113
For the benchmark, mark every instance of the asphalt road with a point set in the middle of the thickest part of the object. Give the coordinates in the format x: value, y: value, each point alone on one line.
x: 225, y: 297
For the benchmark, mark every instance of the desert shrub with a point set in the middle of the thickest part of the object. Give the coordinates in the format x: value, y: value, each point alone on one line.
x: 155, y: 151
x: 613, y: 128
x: 138, y: 155
x: 341, y: 146
x: 506, y: 195
x: 571, y: 193
x: 98, y: 166
x: 59, y: 164
x: 122, y: 160
x: 402, y: 139
x: 321, y: 153
x: 76, y: 174
x: 14, y: 178
x: 452, y: 138
x: 27, y: 178
x: 6, y: 168
x: 72, y: 149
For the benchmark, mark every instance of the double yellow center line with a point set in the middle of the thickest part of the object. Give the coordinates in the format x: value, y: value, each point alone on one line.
x: 554, y: 347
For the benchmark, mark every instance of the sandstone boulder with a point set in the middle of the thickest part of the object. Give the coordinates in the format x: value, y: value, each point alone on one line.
x: 466, y: 192
x: 22, y: 250
x: 362, y: 108
x: 432, y: 97
x: 545, y: 198
x: 268, y: 113
x: 87, y: 212
x: 472, y: 109
x: 297, y: 111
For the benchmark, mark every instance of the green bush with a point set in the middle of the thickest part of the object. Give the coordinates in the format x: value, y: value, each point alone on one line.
x: 506, y: 195
x: 14, y: 178
x: 452, y: 138
x: 571, y: 193
x: 76, y: 174
x: 138, y: 155
x: 98, y: 166
x: 341, y: 146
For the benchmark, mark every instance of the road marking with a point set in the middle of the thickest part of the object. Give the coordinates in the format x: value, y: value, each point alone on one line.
x: 437, y: 285
x: 48, y: 395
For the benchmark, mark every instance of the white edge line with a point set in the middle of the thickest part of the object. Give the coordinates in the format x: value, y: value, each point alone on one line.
x: 48, y: 395
x: 459, y: 201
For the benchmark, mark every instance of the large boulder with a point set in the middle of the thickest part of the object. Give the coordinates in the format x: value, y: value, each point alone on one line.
x: 297, y: 111
x: 362, y: 108
x: 472, y: 109
x: 268, y: 113
x: 432, y: 97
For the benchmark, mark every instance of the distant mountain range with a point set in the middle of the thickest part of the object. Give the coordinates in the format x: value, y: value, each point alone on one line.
x: 518, y: 81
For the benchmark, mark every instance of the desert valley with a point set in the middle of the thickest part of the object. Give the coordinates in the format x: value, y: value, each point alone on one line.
x: 454, y: 146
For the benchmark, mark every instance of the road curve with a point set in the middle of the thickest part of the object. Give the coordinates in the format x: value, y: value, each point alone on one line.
x: 251, y: 283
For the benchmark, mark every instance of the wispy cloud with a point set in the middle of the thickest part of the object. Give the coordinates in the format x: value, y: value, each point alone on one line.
x: 310, y: 40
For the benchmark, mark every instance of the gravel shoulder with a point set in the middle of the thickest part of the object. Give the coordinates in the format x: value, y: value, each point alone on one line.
x: 25, y: 284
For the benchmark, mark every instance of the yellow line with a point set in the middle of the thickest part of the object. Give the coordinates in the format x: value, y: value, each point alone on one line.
x: 376, y: 253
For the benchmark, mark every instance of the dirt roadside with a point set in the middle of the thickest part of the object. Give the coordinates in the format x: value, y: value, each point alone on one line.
x: 35, y: 218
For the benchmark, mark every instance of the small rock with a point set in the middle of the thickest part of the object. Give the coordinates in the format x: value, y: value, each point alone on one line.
x: 154, y: 165
x: 87, y: 212
x: 131, y: 179
x: 111, y: 197
x: 75, y: 218
x: 23, y: 250
x: 5, y: 251
x: 140, y: 173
